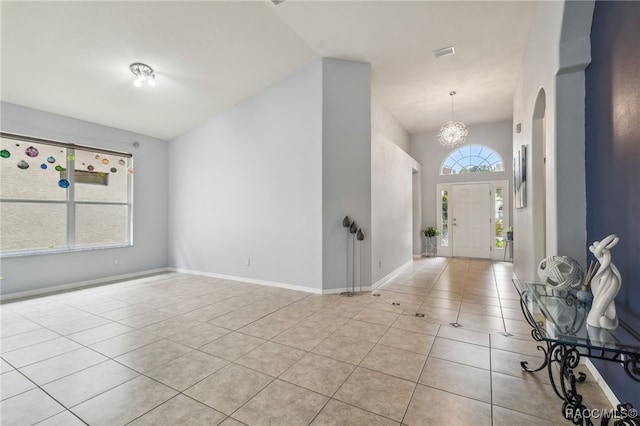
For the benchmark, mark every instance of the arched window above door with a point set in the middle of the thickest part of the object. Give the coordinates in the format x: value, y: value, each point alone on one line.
x: 472, y: 159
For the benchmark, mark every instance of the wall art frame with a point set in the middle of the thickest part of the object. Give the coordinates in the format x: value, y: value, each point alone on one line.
x: 520, y: 178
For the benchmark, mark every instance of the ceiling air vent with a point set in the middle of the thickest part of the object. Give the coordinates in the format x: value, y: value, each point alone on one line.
x: 445, y: 51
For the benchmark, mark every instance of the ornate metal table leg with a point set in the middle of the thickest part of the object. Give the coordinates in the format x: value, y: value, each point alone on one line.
x: 535, y: 333
x: 545, y: 362
x: 626, y: 415
x: 572, y: 408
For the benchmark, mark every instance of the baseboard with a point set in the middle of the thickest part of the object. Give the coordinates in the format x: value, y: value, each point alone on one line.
x: 98, y: 281
x: 250, y: 280
x: 390, y: 275
x: 115, y: 278
x: 343, y: 290
x: 602, y: 383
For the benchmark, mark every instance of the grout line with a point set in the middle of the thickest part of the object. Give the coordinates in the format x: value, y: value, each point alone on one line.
x: 406, y: 410
x: 491, y: 375
x: 504, y: 324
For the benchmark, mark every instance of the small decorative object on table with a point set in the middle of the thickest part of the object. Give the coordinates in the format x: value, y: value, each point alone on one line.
x: 560, y: 272
x: 584, y: 295
x: 605, y: 286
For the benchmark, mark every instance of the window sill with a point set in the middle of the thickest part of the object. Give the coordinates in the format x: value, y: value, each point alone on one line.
x: 25, y: 253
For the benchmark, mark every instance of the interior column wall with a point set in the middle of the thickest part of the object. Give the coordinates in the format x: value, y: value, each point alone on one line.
x: 346, y: 168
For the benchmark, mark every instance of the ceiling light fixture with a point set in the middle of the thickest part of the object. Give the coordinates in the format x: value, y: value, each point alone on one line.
x: 445, y: 51
x: 452, y: 133
x: 143, y: 72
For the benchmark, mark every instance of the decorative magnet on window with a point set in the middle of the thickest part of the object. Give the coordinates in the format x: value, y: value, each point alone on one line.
x: 51, y: 160
x: 31, y: 152
x: 71, y: 157
x: 101, y: 175
x: 97, y: 156
x: 359, y: 235
x: 5, y: 154
x: 23, y: 165
x: 346, y: 222
x: 63, y: 183
x: 114, y: 170
x: 90, y: 167
x: 121, y: 162
x: 59, y: 168
x: 105, y: 161
x: 130, y: 170
x: 43, y: 166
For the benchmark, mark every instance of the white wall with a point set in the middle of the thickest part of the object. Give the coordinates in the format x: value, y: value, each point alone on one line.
x: 556, y: 55
x: 34, y: 272
x: 391, y: 193
x: 426, y: 149
x: 383, y: 122
x: 346, y: 167
x: 247, y: 184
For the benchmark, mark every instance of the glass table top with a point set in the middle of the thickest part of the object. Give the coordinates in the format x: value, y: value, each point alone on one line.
x: 560, y: 317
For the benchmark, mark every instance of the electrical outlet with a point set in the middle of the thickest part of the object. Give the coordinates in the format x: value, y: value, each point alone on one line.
x: 248, y: 262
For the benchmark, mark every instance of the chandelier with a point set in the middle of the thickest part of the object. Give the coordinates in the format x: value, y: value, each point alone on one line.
x: 143, y: 73
x: 452, y: 133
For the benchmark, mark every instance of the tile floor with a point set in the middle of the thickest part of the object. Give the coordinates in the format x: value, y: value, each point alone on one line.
x: 179, y: 349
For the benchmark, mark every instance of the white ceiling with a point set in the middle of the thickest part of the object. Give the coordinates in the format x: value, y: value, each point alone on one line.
x: 72, y: 58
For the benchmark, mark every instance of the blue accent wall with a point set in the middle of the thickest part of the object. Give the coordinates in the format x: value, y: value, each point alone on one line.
x: 612, y: 83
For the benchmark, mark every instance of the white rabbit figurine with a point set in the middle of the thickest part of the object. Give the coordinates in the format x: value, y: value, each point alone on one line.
x: 604, y: 285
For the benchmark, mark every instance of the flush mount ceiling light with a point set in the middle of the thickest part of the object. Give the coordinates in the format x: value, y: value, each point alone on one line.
x: 143, y: 72
x: 452, y: 133
x: 445, y: 51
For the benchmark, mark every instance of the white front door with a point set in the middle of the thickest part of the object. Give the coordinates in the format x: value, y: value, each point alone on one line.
x: 471, y: 220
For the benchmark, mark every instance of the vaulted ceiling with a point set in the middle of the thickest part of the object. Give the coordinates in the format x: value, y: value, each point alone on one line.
x: 72, y: 58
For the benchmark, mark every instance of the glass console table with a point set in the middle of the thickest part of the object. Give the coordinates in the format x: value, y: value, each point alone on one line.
x: 558, y: 320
